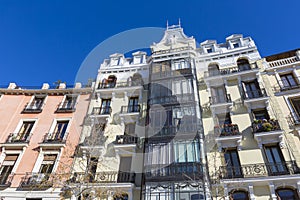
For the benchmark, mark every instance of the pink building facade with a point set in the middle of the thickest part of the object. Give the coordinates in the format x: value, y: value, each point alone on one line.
x: 39, y: 131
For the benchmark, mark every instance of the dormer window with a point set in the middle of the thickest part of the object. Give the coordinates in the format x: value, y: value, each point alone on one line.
x: 235, y: 45
x: 209, y: 50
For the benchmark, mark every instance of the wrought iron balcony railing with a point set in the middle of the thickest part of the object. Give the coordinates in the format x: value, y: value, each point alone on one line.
x: 255, y: 94
x: 130, y: 109
x: 220, y: 99
x: 102, y: 110
x: 6, y: 179
x: 66, y: 107
x: 59, y: 137
x: 226, y: 130
x: 33, y: 107
x: 120, y: 84
x: 18, y: 138
x: 265, y: 125
x: 37, y: 180
x: 174, y: 171
x: 260, y: 169
x: 231, y: 70
x: 126, y: 139
x: 103, y: 177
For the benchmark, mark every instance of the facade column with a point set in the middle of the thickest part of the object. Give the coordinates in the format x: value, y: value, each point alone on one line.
x: 296, y: 74
x: 272, y: 190
x: 251, y: 192
x: 278, y: 79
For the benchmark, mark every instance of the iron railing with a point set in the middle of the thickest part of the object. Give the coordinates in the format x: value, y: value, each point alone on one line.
x: 130, y: 109
x: 66, y: 106
x: 18, y: 138
x: 231, y: 70
x: 103, y: 177
x: 101, y: 110
x: 58, y: 137
x: 126, y: 139
x: 265, y: 125
x: 260, y: 169
x: 33, y: 108
x: 293, y: 119
x: 174, y: 171
x: 252, y: 94
x: 6, y: 179
x: 227, y: 130
x: 120, y: 84
x: 173, y: 99
x: 220, y: 99
x: 37, y: 180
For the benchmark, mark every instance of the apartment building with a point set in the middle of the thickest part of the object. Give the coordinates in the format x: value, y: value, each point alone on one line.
x: 109, y: 160
x: 252, y: 152
x: 40, y: 128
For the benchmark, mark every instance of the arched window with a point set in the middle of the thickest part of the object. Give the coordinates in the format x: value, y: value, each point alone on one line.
x: 286, y: 194
x: 111, y: 81
x: 243, y: 64
x: 239, y: 195
x: 213, y: 70
x: 137, y: 79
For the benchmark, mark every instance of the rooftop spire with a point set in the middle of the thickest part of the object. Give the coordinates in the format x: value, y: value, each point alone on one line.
x: 179, y: 22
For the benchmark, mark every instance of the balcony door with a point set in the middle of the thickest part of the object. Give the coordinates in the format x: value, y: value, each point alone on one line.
x: 105, y: 106
x: 295, y: 102
x: 275, y: 161
x: 37, y: 103
x: 46, y: 168
x: 288, y: 81
x: 24, y: 131
x: 60, y: 130
x: 7, y: 167
x: 124, y: 169
x: 233, y: 166
x: 218, y: 95
x: 252, y: 89
x: 133, y: 104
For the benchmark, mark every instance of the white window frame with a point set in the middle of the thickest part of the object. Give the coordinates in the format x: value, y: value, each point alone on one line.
x: 40, y: 159
x: 290, y: 106
x: 10, y: 152
x: 21, y: 122
x: 54, y: 122
x: 69, y: 95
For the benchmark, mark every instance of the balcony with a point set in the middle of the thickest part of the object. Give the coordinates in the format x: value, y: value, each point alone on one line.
x: 286, y: 85
x: 16, y: 140
x: 106, y: 89
x: 174, y: 172
x: 65, y: 107
x: 37, y: 181
x: 130, y: 109
x: 253, y: 94
x: 130, y: 113
x: 259, y: 170
x: 33, y: 108
x: 103, y: 177
x: 227, y: 135
x: 172, y: 73
x: 255, y: 98
x: 54, y: 140
x: 125, y: 144
x: 231, y: 72
x: 267, y: 131
x: 283, y: 62
x: 173, y: 99
x: 6, y: 179
x: 220, y: 104
x: 102, y: 111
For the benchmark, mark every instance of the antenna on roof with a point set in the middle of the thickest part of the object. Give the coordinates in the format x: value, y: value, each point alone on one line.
x: 179, y: 22
x: 167, y: 24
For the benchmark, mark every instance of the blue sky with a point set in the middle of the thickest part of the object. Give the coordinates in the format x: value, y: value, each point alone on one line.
x: 46, y: 41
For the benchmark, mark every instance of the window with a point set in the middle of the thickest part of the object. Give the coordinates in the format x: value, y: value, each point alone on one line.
x: 133, y: 104
x: 295, y: 103
x: 243, y: 64
x: 287, y: 194
x: 68, y: 105
x: 218, y: 95
x: 239, y: 195
x: 179, y: 64
x: 209, y: 50
x: 105, y: 107
x: 260, y: 114
x: 288, y: 81
x: 276, y: 164
x: 213, y: 70
x: 45, y: 170
x: 59, y: 133
x: 7, y: 167
x: 23, y: 134
x: 130, y: 129
x: 35, y: 105
x: 252, y: 90
x: 233, y: 166
x: 224, y: 119
x: 93, y: 168
x: 235, y: 45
